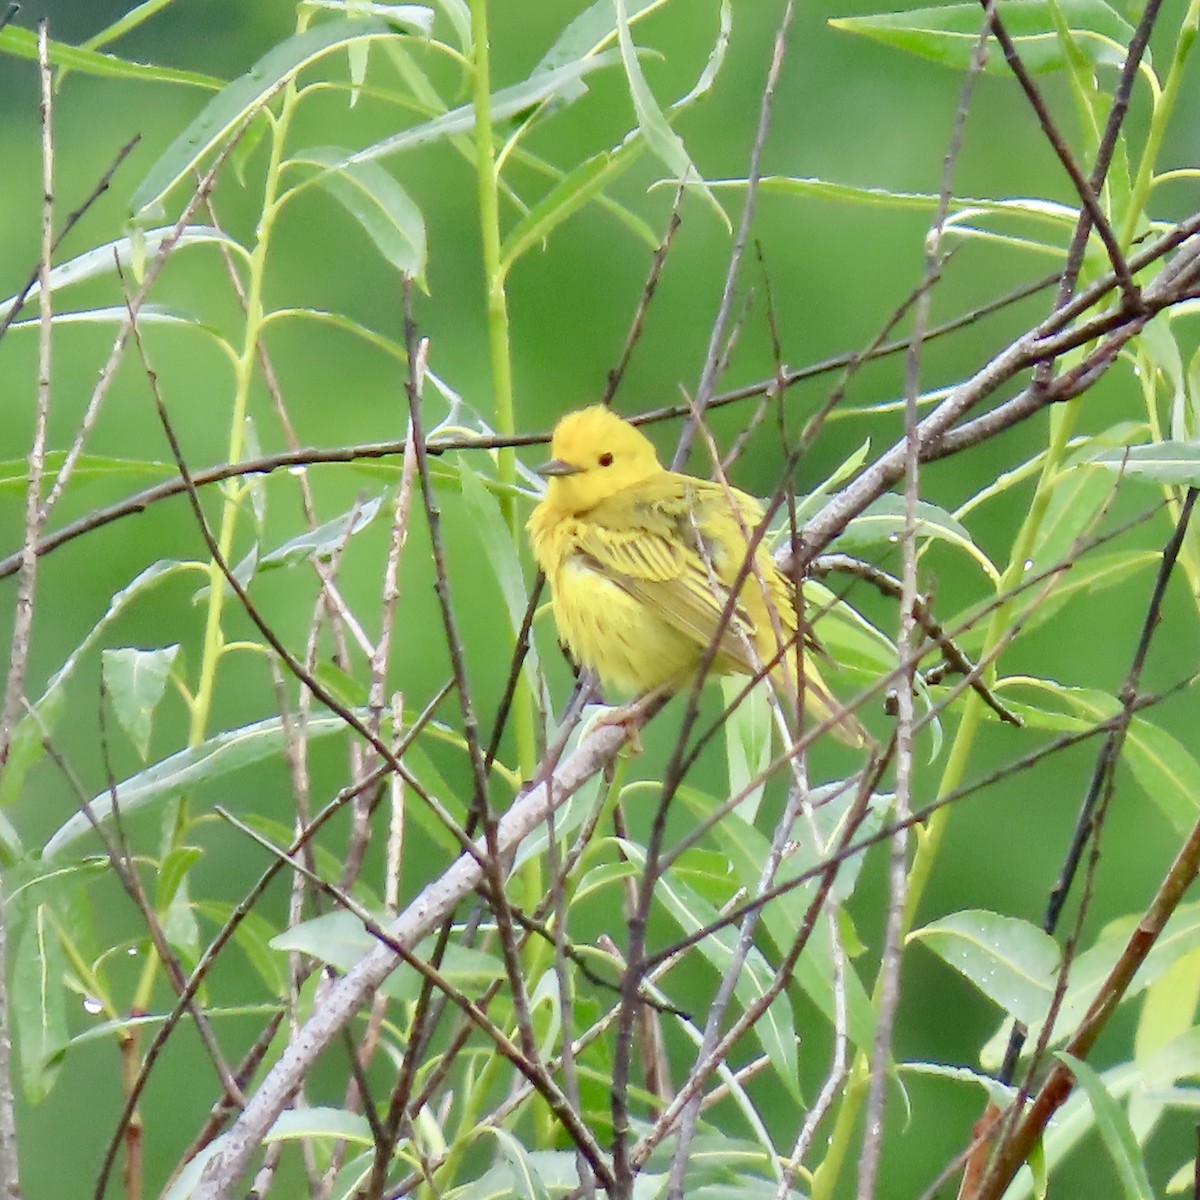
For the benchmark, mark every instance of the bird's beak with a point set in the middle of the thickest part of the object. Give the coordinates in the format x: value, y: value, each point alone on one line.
x: 557, y: 466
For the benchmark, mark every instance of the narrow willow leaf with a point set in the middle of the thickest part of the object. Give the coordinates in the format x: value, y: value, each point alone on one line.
x: 1164, y: 462
x: 506, y: 103
x: 949, y: 33
x: 747, y: 742
x: 500, y: 553
x: 320, y: 1121
x: 746, y: 850
x: 590, y: 32
x: 1164, y: 768
x: 22, y: 43
x: 386, y: 212
x: 180, y: 927
x: 1157, y: 341
x: 148, y: 314
x: 1089, y: 970
x: 31, y: 729
x: 1010, y: 961
x: 460, y: 20
x: 1078, y: 498
x: 187, y: 770
x: 1047, y: 212
x: 714, y: 62
x: 340, y: 939
x: 883, y: 521
x: 323, y: 542
x: 38, y: 999
x: 173, y: 870
x: 526, y: 1180
x: 565, y: 199
x: 1087, y: 576
x: 807, y: 505
x: 1115, y: 1131
x: 664, y: 143
x: 103, y: 260
x: 124, y: 24
x: 252, y: 935
x: 135, y: 681
x: 776, y: 1029
x: 1169, y: 1009
x: 1167, y: 772
x: 241, y: 98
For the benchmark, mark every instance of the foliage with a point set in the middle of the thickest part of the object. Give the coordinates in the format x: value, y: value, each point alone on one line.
x: 301, y: 790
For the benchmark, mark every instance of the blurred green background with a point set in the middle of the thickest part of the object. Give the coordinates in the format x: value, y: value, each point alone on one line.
x: 847, y: 110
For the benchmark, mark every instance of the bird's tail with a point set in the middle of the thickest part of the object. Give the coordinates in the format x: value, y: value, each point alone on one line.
x: 820, y: 704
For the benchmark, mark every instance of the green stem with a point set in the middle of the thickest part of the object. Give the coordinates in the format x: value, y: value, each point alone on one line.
x: 244, y: 369
x: 929, y: 837
x: 1163, y: 108
x: 488, y: 183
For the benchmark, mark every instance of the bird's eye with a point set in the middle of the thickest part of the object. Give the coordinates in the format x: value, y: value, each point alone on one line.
x: 605, y: 460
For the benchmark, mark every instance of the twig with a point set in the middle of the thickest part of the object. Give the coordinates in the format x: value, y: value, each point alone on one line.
x: 73, y: 218
x: 424, y: 914
x: 1083, y: 187
x: 639, y: 316
x: 712, y: 360
x: 888, y: 585
x: 1108, y: 757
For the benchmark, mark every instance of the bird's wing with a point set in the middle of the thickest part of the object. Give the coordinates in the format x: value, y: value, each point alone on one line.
x: 650, y: 549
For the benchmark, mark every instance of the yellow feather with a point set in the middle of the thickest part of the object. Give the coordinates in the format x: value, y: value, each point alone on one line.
x: 641, y: 560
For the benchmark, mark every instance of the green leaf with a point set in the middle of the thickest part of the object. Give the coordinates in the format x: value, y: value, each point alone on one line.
x: 103, y: 260
x: 1088, y: 576
x: 565, y: 199
x: 1169, y: 1009
x: 1179, y: 939
x: 22, y: 43
x: 746, y: 850
x: 590, y: 32
x: 38, y: 998
x: 173, y: 871
x: 1075, y: 504
x: 883, y: 521
x: 14, y: 472
x: 500, y: 553
x: 320, y: 1121
x: 322, y: 542
x: 180, y: 926
x: 949, y: 33
x: 252, y: 936
x: 1115, y: 1130
x: 1010, y: 961
x: 527, y: 1183
x: 1161, y: 463
x: 1167, y: 772
x: 126, y: 23
x: 714, y: 62
x: 387, y: 213
x: 664, y: 143
x: 776, y: 1029
x: 148, y: 314
x: 241, y: 98
x: 136, y: 680
x: 340, y: 939
x: 747, y: 742
x: 1161, y: 764
x: 189, y: 769
x: 507, y: 102
x: 27, y: 741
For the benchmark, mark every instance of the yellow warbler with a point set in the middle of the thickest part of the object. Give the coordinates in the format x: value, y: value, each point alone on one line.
x: 640, y: 561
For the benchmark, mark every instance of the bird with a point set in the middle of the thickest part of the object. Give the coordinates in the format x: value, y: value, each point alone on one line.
x: 641, y: 562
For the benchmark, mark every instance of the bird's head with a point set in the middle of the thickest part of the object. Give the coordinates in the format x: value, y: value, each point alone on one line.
x: 594, y: 455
